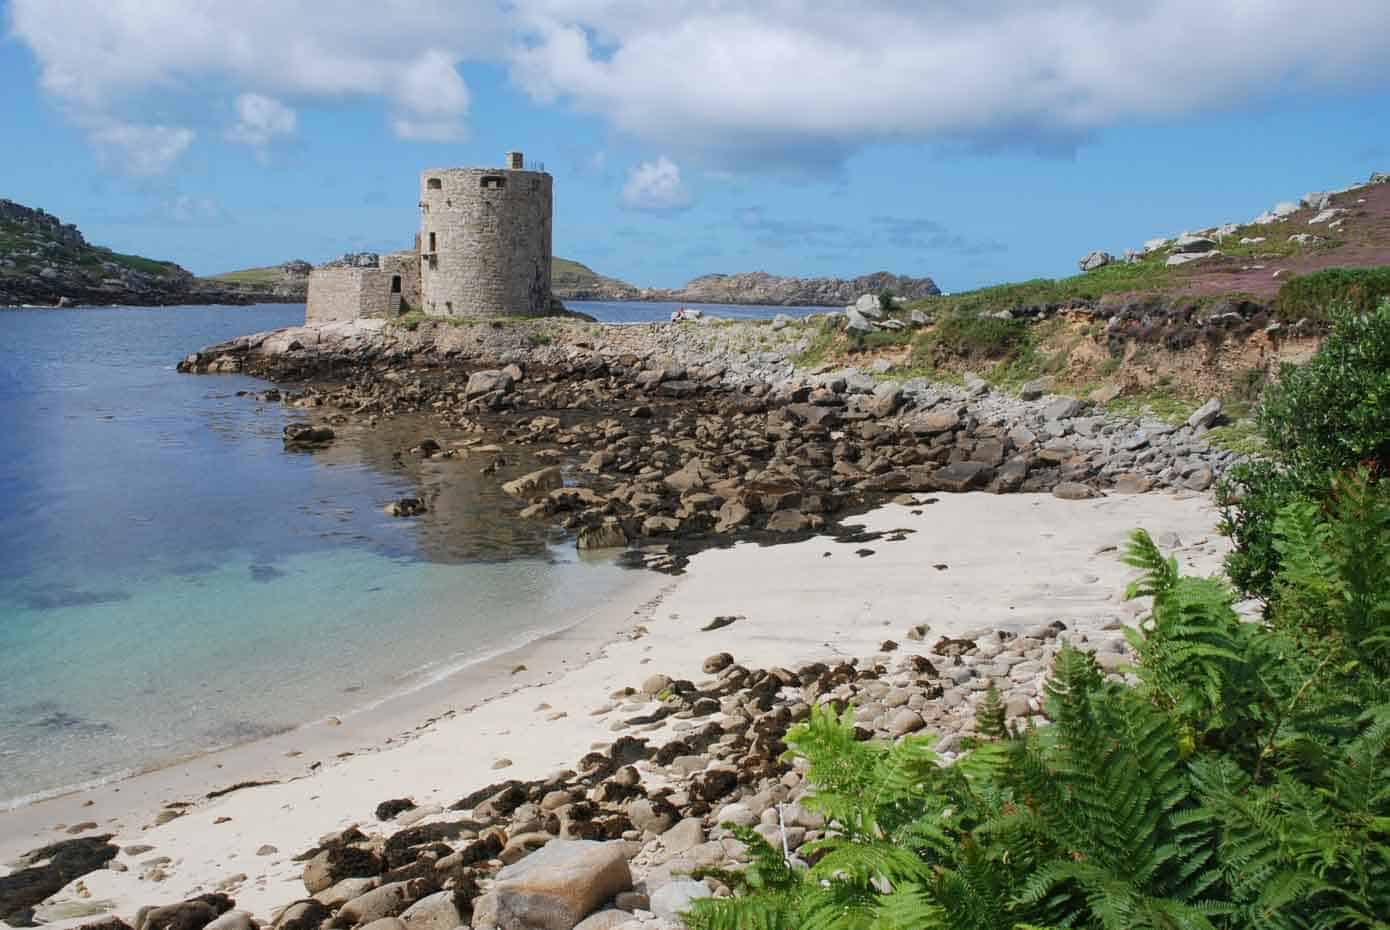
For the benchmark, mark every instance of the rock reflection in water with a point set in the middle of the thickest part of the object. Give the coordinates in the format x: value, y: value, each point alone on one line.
x: 468, y: 517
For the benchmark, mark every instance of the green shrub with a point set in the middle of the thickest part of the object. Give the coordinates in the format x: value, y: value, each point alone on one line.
x: 1243, y: 782
x: 1334, y: 411
x: 885, y: 300
x: 1310, y: 296
x: 973, y: 336
x: 879, y: 339
x: 1331, y: 414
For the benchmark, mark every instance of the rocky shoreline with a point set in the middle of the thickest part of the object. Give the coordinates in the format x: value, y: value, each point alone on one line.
x: 664, y: 440
x: 635, y: 831
x: 434, y: 829
x: 672, y: 434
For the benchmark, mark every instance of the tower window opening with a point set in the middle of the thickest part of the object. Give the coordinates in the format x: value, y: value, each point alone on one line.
x: 432, y: 242
x: 434, y: 184
x: 395, y: 284
x: 493, y: 182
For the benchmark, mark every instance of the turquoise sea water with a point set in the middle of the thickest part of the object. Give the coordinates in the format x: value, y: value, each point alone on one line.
x: 171, y: 579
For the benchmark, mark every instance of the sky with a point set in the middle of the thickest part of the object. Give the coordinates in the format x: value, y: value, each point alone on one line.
x: 973, y: 141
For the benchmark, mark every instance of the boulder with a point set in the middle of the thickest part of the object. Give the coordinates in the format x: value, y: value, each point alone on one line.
x: 1063, y: 408
x: 433, y: 912
x: 604, y: 920
x: 193, y: 914
x: 857, y: 322
x: 1190, y: 243
x: 962, y: 476
x: 603, y: 536
x: 1182, y: 258
x: 1200, y: 479
x: 675, y: 897
x: 535, y: 483
x: 1206, y: 415
x: 558, y: 886
x: 337, y: 863
x: 645, y: 816
x: 1094, y: 260
x: 302, y: 915
x: 1074, y: 491
x: 306, y: 434
x: 386, y: 901
x: 1133, y: 484
x: 930, y: 424
x: 717, y: 663
x: 868, y: 305
x: 345, y: 890
x: 43, y: 872
x: 487, y: 382
x: 905, y: 721
x: 684, y: 836
x: 236, y: 920
x: 1105, y: 393
x: 788, y: 521
x: 732, y: 515
x: 405, y: 507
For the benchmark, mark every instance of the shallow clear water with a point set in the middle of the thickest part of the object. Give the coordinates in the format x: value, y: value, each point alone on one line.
x: 172, y: 579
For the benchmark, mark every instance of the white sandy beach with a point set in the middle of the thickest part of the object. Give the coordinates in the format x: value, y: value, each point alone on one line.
x: 1009, y: 561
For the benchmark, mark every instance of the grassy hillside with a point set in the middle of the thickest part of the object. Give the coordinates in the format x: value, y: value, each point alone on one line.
x: 570, y: 277
x: 32, y: 247
x: 253, y: 277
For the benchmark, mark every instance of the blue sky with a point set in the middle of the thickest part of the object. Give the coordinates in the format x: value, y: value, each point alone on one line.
x: 974, y: 143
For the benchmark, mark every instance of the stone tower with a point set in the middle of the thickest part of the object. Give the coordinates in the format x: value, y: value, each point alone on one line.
x: 485, y: 241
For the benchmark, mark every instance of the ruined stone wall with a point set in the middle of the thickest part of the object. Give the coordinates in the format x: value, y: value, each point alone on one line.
x: 338, y: 294
x: 407, y: 265
x: 485, y: 242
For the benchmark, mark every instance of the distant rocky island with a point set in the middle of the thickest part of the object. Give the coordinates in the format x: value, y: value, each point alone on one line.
x: 578, y: 282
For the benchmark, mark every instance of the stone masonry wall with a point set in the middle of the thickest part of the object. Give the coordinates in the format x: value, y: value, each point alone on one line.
x: 491, y: 249
x: 407, y: 265
x: 339, y: 294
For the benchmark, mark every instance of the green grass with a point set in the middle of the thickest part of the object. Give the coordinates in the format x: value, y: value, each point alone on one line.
x: 1149, y: 274
x: 1159, y: 403
x: 1310, y: 296
x: 566, y: 274
x: 137, y: 263
x: 818, y: 352
x: 880, y: 339
x: 250, y: 276
x: 1242, y: 437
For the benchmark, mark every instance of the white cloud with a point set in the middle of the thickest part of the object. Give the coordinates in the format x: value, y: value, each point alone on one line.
x: 655, y: 186
x: 431, y: 99
x: 191, y: 210
x: 811, y: 80
x: 738, y: 82
x: 140, y: 150
x: 104, y: 57
x: 259, y: 120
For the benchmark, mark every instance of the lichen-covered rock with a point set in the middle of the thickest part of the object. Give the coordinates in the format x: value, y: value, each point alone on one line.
x: 558, y: 886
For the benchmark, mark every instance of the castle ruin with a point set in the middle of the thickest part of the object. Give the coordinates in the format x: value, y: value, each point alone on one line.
x: 483, y: 251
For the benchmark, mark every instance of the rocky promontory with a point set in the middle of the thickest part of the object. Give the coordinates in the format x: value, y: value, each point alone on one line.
x: 680, y: 436
x: 46, y: 262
